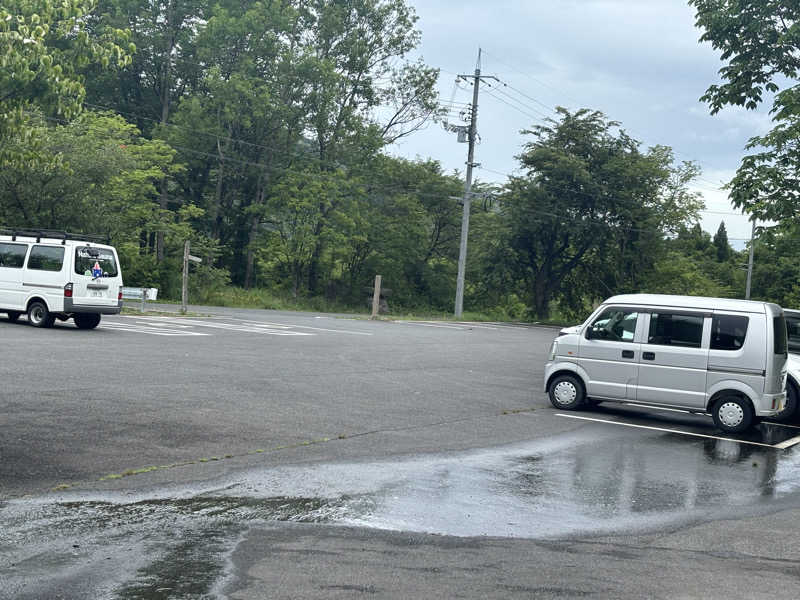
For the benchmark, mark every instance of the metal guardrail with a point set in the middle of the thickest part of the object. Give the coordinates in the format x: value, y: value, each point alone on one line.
x: 143, y: 294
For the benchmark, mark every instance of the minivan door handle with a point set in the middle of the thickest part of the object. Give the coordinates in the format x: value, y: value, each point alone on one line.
x: 649, y: 355
x: 627, y: 354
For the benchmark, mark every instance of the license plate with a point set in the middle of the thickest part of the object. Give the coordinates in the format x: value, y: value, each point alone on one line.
x: 97, y: 294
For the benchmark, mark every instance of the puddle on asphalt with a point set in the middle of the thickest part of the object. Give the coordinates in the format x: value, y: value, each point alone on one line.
x: 591, y: 481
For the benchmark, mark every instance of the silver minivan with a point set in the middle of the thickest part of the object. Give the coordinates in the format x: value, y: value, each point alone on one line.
x: 705, y: 355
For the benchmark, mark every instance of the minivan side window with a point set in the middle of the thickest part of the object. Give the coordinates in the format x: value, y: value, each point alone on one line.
x: 46, y: 258
x: 793, y: 329
x: 614, y: 324
x: 12, y: 256
x: 667, y: 329
x: 728, y: 332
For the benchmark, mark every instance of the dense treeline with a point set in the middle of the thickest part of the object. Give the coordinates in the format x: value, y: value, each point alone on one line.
x: 259, y: 132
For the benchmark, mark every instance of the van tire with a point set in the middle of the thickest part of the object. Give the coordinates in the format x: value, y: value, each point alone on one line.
x: 566, y: 392
x: 87, y: 321
x: 732, y: 414
x: 789, y: 411
x: 13, y: 315
x: 39, y: 316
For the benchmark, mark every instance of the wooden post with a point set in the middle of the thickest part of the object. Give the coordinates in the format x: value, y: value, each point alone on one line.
x: 185, y: 287
x: 376, y: 297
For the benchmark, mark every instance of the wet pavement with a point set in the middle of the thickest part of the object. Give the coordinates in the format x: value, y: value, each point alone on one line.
x: 597, y: 480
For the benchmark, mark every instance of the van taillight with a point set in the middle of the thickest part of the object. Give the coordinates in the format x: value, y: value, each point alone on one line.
x: 68, y: 291
x: 119, y: 296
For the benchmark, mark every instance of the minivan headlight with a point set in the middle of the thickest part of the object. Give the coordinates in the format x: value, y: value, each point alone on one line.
x: 553, y: 350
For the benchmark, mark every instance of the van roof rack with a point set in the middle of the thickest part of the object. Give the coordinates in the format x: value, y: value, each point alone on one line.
x: 55, y: 235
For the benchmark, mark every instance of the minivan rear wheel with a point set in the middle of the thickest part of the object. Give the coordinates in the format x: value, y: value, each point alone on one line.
x: 732, y: 414
x: 39, y: 316
x: 566, y: 392
x: 87, y: 321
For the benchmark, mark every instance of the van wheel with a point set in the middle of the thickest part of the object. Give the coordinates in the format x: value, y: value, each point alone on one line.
x: 788, y: 412
x: 732, y: 414
x: 13, y: 315
x: 566, y: 392
x: 39, y: 316
x: 87, y: 321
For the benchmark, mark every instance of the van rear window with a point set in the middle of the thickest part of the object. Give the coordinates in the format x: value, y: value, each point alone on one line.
x: 89, y: 260
x: 779, y: 334
x: 728, y: 332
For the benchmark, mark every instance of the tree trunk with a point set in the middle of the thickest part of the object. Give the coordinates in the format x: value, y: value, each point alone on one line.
x: 249, y: 270
x: 541, y: 297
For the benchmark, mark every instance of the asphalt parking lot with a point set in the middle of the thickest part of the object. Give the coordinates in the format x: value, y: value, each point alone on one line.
x: 260, y: 454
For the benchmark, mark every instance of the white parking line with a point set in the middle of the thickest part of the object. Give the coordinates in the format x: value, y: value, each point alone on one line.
x: 425, y: 324
x: 241, y: 327
x: 309, y: 327
x: 678, y: 431
x: 147, y: 329
x: 788, y: 443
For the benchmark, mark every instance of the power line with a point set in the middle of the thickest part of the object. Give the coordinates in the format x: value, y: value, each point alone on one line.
x: 677, y: 151
x: 518, y: 109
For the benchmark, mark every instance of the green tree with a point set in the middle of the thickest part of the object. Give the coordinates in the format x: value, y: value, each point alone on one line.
x: 591, y: 209
x: 760, y: 42
x: 721, y: 243
x: 43, y: 46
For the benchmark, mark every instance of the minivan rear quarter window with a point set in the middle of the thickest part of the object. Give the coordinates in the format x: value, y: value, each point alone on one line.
x: 728, y: 332
x: 46, y: 258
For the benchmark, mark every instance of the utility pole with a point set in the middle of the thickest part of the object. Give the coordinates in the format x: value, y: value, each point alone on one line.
x: 750, y: 261
x: 473, y: 124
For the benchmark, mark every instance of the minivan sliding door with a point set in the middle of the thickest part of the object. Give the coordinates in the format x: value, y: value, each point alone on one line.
x: 674, y: 359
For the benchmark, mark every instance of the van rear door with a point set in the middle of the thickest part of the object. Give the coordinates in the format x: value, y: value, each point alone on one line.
x: 96, y: 277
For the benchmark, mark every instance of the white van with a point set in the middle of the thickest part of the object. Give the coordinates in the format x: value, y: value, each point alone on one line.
x: 52, y: 275
x: 705, y: 355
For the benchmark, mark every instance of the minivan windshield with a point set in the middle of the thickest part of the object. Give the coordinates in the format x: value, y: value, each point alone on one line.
x: 95, y: 262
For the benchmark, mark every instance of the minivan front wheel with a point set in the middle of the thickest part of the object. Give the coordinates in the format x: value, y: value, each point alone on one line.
x: 566, y: 392
x: 39, y: 316
x: 732, y: 414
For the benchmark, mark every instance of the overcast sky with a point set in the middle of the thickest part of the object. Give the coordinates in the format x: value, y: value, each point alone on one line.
x: 638, y: 61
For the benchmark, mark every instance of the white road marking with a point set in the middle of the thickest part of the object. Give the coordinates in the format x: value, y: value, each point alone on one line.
x: 425, y: 324
x: 678, y: 431
x: 135, y: 328
x: 782, y: 425
x: 788, y: 443
x: 232, y: 326
x: 309, y: 327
